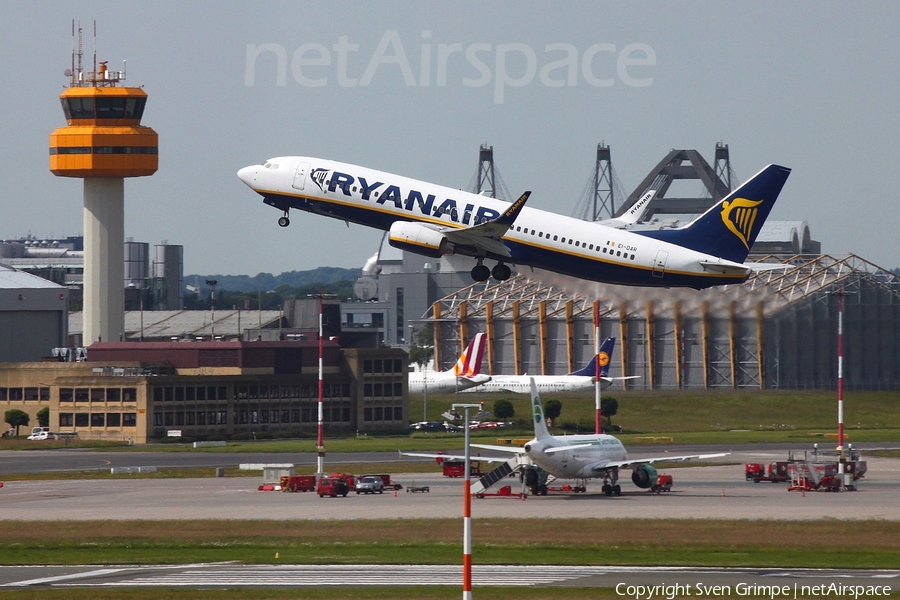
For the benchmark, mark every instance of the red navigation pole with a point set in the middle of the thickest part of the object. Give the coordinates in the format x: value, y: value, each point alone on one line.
x: 320, y: 444
x: 840, y: 296
x: 598, y: 421
x: 467, y: 507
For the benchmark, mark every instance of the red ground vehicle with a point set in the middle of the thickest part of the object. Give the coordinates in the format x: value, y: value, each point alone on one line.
x: 298, y: 483
x: 774, y: 472
x: 335, y: 485
x: 663, y: 484
x: 457, y: 468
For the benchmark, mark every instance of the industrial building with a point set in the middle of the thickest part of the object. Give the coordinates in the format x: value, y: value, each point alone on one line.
x: 32, y: 316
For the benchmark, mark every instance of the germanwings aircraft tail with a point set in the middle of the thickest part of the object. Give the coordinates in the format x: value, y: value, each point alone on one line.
x: 729, y: 228
x: 464, y: 374
x: 469, y: 363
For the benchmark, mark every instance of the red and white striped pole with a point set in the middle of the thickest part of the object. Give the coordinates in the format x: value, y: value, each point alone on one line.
x: 467, y: 510
x: 320, y: 444
x: 840, y: 447
x: 598, y: 420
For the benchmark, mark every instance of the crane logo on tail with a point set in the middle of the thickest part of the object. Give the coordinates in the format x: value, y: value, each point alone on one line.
x: 739, y: 216
x: 603, y: 358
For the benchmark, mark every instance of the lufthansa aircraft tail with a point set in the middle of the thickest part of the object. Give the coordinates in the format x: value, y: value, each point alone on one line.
x: 728, y: 229
x: 601, y: 359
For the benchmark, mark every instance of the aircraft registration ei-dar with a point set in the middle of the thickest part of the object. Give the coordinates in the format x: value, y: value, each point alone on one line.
x: 579, y: 457
x: 435, y: 220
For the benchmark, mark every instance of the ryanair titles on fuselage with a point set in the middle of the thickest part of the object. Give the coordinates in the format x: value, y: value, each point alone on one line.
x: 414, y: 201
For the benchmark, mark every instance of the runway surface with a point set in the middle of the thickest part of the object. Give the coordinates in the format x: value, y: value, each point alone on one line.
x: 702, y: 581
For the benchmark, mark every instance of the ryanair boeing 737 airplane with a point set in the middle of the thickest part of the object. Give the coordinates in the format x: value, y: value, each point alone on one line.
x: 434, y: 220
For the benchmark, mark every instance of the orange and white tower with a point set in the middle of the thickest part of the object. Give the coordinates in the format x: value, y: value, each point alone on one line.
x: 102, y: 143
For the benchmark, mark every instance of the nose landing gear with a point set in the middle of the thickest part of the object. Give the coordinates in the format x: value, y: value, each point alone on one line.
x: 284, y: 221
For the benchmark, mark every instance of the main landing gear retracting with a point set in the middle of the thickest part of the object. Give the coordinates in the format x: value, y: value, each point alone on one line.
x: 500, y: 272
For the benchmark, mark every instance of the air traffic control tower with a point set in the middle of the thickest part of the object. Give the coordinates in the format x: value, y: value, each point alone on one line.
x: 102, y: 143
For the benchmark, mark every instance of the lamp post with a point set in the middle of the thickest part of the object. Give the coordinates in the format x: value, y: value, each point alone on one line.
x: 212, y: 303
x: 424, y: 367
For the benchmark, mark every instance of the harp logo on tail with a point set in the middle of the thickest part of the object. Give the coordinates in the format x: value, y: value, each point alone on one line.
x: 739, y: 216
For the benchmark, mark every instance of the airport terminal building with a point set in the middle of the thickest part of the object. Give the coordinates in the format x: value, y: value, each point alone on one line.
x: 139, y: 392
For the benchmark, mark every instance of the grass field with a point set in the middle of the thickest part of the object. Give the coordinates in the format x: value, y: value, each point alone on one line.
x: 870, y: 544
x: 705, y: 417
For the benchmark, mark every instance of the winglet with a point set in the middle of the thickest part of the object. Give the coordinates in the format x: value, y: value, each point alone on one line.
x: 510, y: 214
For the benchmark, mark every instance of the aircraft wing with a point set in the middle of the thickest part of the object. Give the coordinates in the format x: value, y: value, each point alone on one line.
x: 649, y: 461
x: 508, y: 449
x: 487, y: 236
x: 435, y: 455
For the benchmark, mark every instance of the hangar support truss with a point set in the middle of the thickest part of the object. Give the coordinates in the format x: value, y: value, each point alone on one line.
x: 777, y: 330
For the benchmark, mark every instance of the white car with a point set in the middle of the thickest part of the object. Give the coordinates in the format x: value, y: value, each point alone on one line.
x: 370, y: 485
x: 40, y: 433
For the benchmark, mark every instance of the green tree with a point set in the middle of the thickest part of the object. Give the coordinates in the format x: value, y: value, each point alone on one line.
x: 552, y: 410
x: 609, y: 407
x: 16, y: 418
x: 43, y: 417
x: 421, y: 346
x: 504, y: 409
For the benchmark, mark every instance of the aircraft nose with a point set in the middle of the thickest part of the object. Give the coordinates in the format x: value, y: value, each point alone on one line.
x: 248, y: 175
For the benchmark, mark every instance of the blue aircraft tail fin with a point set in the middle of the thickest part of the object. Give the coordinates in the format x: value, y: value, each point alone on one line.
x: 728, y: 229
x: 601, y: 360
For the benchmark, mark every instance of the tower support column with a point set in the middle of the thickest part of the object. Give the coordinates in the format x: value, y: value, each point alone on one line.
x: 104, y: 259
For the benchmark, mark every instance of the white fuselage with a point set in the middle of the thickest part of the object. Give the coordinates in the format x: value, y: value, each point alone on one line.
x: 537, y: 238
x: 578, y: 463
x: 444, y: 382
x: 521, y: 384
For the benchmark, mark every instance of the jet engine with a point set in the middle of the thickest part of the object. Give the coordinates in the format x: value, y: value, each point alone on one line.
x: 420, y: 239
x: 644, y: 476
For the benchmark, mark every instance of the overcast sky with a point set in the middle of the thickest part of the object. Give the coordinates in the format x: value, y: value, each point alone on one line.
x: 415, y: 87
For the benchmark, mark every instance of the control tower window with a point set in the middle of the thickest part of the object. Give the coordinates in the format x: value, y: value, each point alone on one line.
x: 66, y: 110
x: 111, y: 108
x: 134, y: 108
x: 81, y: 108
